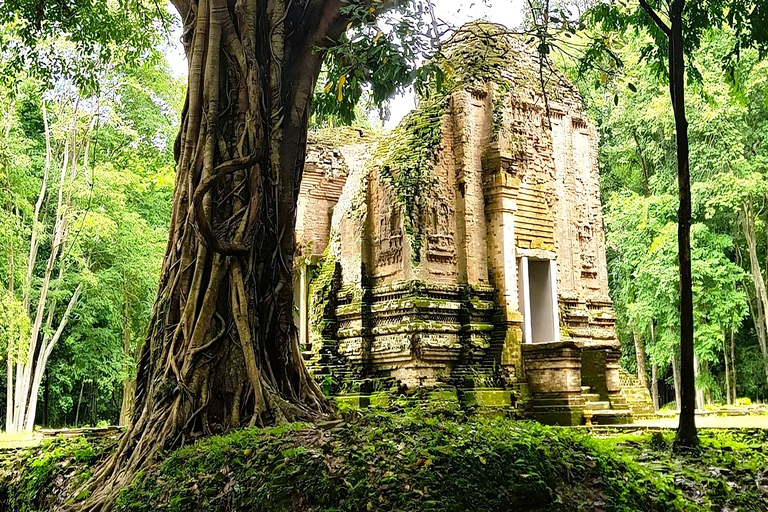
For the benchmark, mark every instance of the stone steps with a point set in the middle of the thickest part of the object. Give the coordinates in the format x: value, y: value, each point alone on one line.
x: 612, y: 417
x: 597, y: 406
x: 603, y: 412
x: 638, y: 397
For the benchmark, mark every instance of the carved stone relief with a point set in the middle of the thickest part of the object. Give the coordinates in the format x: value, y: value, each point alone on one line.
x: 389, y: 239
x: 441, y: 247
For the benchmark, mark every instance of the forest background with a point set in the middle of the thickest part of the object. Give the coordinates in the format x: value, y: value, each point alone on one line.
x: 86, y: 180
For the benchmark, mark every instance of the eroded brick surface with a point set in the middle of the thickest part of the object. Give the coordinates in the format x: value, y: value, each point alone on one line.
x: 434, y: 297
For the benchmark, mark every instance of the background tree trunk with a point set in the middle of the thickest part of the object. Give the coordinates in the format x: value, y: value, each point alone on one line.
x: 733, y: 367
x: 728, y: 399
x: 676, y: 380
x: 640, y: 357
x: 129, y: 384
x: 747, y: 221
x: 222, y: 350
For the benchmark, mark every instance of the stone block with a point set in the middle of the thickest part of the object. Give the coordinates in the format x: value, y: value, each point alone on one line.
x: 487, y: 398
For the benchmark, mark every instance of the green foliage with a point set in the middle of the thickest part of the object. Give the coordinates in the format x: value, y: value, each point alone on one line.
x: 378, y: 56
x: 747, y: 19
x: 98, y: 33
x: 407, y: 157
x: 638, y: 174
x: 118, y: 209
x: 14, y: 328
x: 642, y: 241
x: 322, y: 291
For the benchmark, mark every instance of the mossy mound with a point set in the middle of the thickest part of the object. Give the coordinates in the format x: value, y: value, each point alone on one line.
x: 409, y: 462
x: 397, y: 462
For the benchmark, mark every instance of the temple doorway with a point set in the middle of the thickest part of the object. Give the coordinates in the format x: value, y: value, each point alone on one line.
x: 538, y: 300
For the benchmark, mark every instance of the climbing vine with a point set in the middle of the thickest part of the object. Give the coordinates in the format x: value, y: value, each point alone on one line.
x: 322, y: 290
x: 477, y: 54
x: 407, y: 158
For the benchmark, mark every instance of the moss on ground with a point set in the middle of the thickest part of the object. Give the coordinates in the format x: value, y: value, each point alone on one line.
x: 47, y: 476
x: 411, y: 461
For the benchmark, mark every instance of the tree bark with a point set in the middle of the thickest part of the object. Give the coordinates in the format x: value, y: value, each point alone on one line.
x: 687, y: 436
x: 79, y: 401
x: 42, y: 359
x: 23, y: 399
x: 655, y: 386
x: 222, y: 350
x: 699, y: 391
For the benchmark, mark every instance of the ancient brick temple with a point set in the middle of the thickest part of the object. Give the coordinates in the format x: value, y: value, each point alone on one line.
x: 478, y: 268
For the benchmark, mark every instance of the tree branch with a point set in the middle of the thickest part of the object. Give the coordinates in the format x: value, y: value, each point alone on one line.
x: 655, y: 16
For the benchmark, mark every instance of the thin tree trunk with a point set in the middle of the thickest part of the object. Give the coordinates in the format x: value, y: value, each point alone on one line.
x: 655, y: 386
x: 699, y: 391
x: 36, y: 216
x: 94, y: 401
x: 29, y: 373
x: 45, y: 353
x: 46, y: 398
x: 129, y: 384
x: 79, y: 401
x: 728, y: 399
x: 24, y: 371
x: 640, y: 356
x: 676, y: 380
x: 733, y: 367
x: 9, y: 396
x: 687, y: 436
x: 747, y: 221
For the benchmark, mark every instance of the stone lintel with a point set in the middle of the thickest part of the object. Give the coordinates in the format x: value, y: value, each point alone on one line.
x: 536, y: 254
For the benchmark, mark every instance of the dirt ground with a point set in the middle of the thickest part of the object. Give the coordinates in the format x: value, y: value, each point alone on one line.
x: 710, y: 421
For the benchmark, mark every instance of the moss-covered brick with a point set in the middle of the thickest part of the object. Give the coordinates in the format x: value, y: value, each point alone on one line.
x: 487, y: 398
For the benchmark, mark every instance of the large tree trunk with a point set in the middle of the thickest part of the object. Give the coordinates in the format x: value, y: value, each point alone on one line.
x: 222, y: 350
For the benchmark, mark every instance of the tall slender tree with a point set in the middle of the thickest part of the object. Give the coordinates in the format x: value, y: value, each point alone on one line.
x: 676, y: 28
